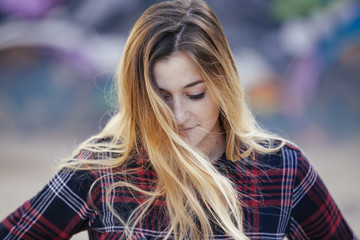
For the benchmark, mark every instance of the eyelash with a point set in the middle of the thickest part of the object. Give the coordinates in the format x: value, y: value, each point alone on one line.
x: 197, y: 97
x: 191, y: 97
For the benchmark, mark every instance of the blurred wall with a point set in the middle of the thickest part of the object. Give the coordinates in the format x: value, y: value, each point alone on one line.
x: 298, y: 60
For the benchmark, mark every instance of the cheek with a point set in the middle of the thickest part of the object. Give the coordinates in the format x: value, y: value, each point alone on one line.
x: 214, y: 115
x: 209, y: 111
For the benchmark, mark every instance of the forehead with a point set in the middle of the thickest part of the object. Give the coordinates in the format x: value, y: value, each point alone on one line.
x: 176, y: 71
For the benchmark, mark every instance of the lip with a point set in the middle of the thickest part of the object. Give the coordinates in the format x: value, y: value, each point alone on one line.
x: 186, y: 130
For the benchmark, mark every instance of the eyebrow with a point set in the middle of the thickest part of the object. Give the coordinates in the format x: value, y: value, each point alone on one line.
x: 192, y: 84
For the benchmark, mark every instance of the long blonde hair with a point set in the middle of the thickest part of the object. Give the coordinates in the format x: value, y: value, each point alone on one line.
x: 196, y: 194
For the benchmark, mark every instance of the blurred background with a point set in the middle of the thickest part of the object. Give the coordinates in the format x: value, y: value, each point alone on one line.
x: 299, y: 61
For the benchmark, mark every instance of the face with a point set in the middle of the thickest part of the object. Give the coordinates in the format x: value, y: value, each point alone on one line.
x: 180, y: 84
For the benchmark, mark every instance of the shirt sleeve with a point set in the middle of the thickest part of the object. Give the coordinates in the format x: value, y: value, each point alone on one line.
x: 315, y: 214
x: 58, y: 211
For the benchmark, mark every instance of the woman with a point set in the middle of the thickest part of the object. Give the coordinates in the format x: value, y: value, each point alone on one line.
x: 183, y: 158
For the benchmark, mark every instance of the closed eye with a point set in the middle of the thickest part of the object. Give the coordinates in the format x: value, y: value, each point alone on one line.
x: 197, y: 96
x: 166, y: 97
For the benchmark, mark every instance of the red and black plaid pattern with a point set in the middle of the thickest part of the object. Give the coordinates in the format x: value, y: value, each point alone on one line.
x: 282, y: 195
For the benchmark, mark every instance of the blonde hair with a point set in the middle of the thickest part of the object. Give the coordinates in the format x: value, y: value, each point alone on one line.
x: 196, y: 194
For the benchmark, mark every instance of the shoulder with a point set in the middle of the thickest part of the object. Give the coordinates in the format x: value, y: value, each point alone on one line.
x: 101, y: 158
x: 288, y: 165
x: 85, y: 167
x: 95, y: 148
x: 288, y: 156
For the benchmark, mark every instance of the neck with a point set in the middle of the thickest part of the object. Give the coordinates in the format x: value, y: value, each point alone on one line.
x: 217, y: 148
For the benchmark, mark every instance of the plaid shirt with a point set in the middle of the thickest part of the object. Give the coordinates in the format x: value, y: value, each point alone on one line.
x: 282, y: 196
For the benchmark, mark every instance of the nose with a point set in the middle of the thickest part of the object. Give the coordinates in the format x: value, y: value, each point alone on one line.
x: 180, y: 111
